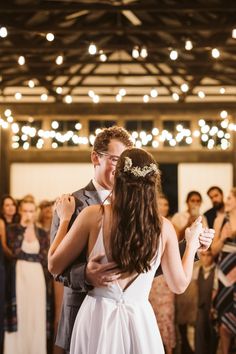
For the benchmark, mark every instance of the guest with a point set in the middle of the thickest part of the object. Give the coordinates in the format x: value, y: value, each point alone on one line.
x: 205, y: 335
x: 182, y: 220
x: 45, y: 215
x: 8, y: 215
x: 55, y: 289
x: 186, y: 303
x: 2, y: 297
x: 162, y: 299
x: 26, y: 293
x: 224, y: 247
x: 217, y: 198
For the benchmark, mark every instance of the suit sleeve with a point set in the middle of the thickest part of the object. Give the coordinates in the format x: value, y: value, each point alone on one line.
x: 74, y: 276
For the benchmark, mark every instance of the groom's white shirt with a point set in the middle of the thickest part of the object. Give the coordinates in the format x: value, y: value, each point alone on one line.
x: 103, y: 193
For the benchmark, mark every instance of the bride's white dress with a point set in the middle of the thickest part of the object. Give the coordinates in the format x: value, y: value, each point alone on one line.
x: 116, y: 321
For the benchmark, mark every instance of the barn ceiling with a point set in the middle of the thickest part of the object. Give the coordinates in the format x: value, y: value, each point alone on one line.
x: 134, y: 41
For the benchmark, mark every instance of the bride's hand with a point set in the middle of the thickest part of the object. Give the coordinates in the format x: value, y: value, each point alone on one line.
x: 193, y: 232
x: 65, y: 207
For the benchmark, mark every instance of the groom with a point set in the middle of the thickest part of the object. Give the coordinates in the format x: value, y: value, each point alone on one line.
x: 108, y: 146
x: 82, y: 277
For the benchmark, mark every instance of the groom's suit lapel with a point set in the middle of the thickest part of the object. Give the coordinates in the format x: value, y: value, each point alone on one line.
x: 91, y: 195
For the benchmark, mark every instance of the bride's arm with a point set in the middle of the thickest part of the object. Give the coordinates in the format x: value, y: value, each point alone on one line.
x: 178, y: 272
x: 67, y: 246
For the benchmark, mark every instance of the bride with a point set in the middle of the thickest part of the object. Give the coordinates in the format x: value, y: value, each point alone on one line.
x: 118, y: 319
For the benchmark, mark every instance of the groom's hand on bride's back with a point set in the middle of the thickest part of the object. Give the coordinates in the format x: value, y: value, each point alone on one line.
x: 98, y: 274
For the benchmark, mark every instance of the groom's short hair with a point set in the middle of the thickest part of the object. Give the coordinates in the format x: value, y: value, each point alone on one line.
x: 103, y: 138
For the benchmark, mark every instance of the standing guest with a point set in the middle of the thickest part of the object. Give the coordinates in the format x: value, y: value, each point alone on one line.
x: 45, y: 215
x: 161, y: 298
x: 26, y: 296
x: 224, y: 246
x: 205, y: 335
x: 186, y: 303
x: 8, y: 215
x: 2, y: 296
x: 182, y: 220
x: 54, y: 289
x: 118, y: 318
x: 217, y: 198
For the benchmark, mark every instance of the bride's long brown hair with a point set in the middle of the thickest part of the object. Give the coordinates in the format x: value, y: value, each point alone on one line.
x: 136, y: 225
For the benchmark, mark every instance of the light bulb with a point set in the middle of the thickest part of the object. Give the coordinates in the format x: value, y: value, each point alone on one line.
x: 50, y: 37
x: 173, y: 55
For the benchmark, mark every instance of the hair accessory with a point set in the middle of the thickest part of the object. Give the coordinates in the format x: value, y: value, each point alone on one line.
x: 138, y: 171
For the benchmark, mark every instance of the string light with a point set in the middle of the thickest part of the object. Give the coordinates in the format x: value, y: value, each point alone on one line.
x: 103, y: 57
x: 18, y: 96
x: 31, y: 84
x: 153, y: 93
x: 144, y: 52
x: 50, y: 37
x: 208, y: 134
x: 55, y: 124
x: 234, y: 33
x: 135, y: 52
x: 215, y: 53
x: 68, y: 99
x: 21, y: 60
x: 59, y: 60
x: 10, y: 119
x: 44, y: 97
x: 145, y: 98
x: 223, y: 114
x: 188, y: 45
x: 173, y: 55
x: 3, y: 32
x: 78, y: 126
x: 118, y: 98
x: 59, y: 90
x: 175, y: 96
x: 201, y: 94
x: 122, y: 92
x: 201, y: 122
x: 184, y: 87
x: 222, y: 90
x: 92, y: 49
x: 91, y: 93
x: 96, y: 99
x: 7, y: 112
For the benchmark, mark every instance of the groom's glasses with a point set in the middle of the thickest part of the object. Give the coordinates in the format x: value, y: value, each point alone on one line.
x: 112, y: 158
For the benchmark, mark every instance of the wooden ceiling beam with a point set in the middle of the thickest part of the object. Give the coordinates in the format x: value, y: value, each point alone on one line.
x: 81, y: 47
x: 96, y: 6
x: 126, y: 109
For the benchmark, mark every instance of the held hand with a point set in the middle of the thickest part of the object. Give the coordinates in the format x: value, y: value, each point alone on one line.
x: 192, y: 233
x: 205, y: 238
x: 65, y: 206
x: 100, y: 275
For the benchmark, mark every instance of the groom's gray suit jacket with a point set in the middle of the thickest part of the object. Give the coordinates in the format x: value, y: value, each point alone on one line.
x: 72, y: 299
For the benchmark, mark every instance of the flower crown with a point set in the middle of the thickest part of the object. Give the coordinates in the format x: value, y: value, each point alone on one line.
x: 138, y: 171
